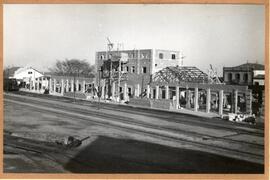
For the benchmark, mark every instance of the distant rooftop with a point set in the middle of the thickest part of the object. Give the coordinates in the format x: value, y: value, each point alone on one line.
x: 247, y: 66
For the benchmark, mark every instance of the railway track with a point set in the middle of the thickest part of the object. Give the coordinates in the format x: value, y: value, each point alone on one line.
x: 165, y: 116
x: 145, y: 129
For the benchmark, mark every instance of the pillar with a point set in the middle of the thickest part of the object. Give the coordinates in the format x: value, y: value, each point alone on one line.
x: 103, y: 92
x: 187, y: 98
x: 177, y: 97
x: 54, y: 85
x: 30, y: 85
x: 113, y: 90
x: 208, y: 100
x: 41, y: 83
x: 62, y: 86
x: 67, y: 86
x: 50, y: 85
x: 166, y: 92
x: 196, y: 98
x: 125, y: 91
x: 72, y: 85
x: 249, y: 102
x: 138, y: 90
x: 220, y: 109
x: 34, y: 83
x: 38, y: 84
x: 157, y: 92
x: 77, y: 85
x: 235, y: 101
x: 83, y: 87
x: 148, y: 91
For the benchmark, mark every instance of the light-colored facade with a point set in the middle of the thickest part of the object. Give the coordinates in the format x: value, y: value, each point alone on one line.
x: 244, y: 74
x: 26, y: 73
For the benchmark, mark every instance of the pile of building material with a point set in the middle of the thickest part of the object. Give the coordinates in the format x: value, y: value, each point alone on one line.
x: 246, y: 118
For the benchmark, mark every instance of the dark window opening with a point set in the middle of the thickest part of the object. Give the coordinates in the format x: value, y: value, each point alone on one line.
x: 246, y: 77
x: 173, y: 56
x: 160, y: 55
x: 144, y: 70
x: 133, y: 69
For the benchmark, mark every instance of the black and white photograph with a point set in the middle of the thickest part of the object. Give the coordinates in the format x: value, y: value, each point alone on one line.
x: 134, y: 88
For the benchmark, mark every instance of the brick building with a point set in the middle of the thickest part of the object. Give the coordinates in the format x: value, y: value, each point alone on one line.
x: 136, y: 69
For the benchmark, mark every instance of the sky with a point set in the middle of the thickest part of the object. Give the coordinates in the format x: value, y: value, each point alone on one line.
x: 221, y: 35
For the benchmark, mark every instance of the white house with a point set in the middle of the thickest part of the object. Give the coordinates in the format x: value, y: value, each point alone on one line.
x: 26, y: 74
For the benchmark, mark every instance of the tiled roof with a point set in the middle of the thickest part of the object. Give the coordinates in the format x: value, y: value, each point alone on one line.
x: 254, y: 66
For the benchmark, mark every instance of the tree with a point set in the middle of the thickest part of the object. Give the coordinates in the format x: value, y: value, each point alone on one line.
x: 73, y: 67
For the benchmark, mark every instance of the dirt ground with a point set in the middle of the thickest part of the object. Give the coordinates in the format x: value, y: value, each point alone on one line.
x: 110, y: 150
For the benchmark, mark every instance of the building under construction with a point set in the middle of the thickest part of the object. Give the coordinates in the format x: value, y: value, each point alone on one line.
x: 158, y: 79
x: 127, y: 73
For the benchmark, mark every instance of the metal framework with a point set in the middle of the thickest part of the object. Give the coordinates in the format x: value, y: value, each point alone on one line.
x: 177, y: 74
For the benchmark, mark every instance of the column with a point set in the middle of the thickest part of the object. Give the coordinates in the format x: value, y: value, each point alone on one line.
x: 177, y: 97
x: 148, y: 91
x: 187, y: 98
x: 41, y: 83
x: 72, y: 85
x: 103, y: 91
x: 138, y: 90
x: 83, y: 87
x: 50, y: 85
x: 77, y: 85
x: 113, y: 90
x: 30, y: 85
x: 62, y: 86
x: 38, y: 84
x: 34, y: 83
x: 220, y: 109
x: 249, y: 102
x: 67, y: 86
x: 196, y: 97
x: 54, y: 85
x: 125, y: 91
x: 235, y: 101
x: 166, y: 92
x: 208, y: 100
x: 157, y: 92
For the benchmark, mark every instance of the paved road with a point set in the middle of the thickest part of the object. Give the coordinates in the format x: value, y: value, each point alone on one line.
x: 44, y: 118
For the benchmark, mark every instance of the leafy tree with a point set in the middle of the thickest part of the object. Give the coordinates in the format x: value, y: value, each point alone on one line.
x: 73, y: 67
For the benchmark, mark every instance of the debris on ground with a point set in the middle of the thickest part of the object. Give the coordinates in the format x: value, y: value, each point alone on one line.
x: 71, y: 142
x: 246, y: 118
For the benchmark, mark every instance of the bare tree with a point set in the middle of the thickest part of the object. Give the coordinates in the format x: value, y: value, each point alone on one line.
x: 73, y: 67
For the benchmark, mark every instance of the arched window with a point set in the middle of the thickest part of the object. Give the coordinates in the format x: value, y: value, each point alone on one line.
x: 237, y: 77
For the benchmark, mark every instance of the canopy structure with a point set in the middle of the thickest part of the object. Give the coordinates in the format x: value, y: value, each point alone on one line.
x: 177, y: 74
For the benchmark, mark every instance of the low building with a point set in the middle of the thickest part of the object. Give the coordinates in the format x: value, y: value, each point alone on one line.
x: 245, y: 74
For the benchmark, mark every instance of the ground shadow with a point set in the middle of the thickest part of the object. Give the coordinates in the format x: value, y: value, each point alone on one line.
x: 111, y: 155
